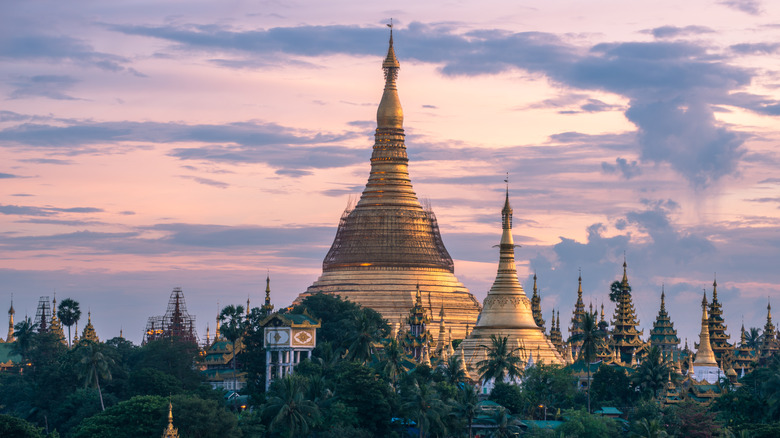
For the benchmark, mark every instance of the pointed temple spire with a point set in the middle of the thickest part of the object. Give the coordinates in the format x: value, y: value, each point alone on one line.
x: 388, y: 241
x: 170, y: 431
x: 506, y: 311
x: 718, y: 336
x: 705, y: 367
x: 625, y: 336
x: 55, y: 326
x: 267, y: 308
x: 745, y: 355
x: 417, y: 340
x: 663, y: 335
x: 769, y: 345
x: 11, y: 313
x: 576, y: 320
x: 89, y: 333
x: 536, y: 307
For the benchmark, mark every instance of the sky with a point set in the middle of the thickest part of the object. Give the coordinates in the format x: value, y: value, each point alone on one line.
x: 205, y: 145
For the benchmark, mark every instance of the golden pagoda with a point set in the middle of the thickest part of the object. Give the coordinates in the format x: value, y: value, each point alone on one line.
x: 576, y: 320
x: 55, y: 326
x: 603, y: 350
x: 506, y: 311
x: 718, y: 337
x: 769, y: 345
x: 388, y: 242
x: 170, y: 431
x: 705, y: 367
x: 89, y: 333
x: 663, y: 335
x: 536, y: 307
x: 625, y: 337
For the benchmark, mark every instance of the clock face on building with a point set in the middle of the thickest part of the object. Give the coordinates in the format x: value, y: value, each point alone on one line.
x: 277, y: 336
x: 303, y: 338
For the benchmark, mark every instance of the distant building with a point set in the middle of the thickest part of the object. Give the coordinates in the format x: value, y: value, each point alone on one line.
x: 176, y: 323
x: 289, y: 338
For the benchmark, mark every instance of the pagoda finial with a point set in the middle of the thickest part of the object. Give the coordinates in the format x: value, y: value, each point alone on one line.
x: 602, y: 312
x: 663, y: 295
x: 715, y: 289
x: 704, y: 298
x: 579, y: 281
x: 506, y: 213
x: 625, y: 268
x: 390, y: 114
x: 170, y: 431
x: 768, y: 310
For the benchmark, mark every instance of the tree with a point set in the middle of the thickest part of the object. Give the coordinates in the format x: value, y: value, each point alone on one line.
x: 232, y: 327
x: 581, y: 424
x: 504, y: 425
x: 392, y: 363
x: 465, y: 405
x: 95, y: 365
x: 589, y: 338
x: 423, y: 405
x: 615, y: 289
x: 363, y: 389
x: 611, y: 386
x: 453, y: 372
x: 69, y: 313
x: 652, y: 374
x: 288, y: 408
x: 694, y: 421
x: 645, y: 428
x: 509, y: 396
x: 550, y: 386
x: 25, y: 332
x: 365, y: 332
x: 11, y: 426
x: 500, y: 361
x: 753, y: 338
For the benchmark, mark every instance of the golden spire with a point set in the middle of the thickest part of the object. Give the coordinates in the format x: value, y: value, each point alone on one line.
x: 715, y: 289
x: 705, y: 355
x: 247, y: 305
x: 602, y: 312
x: 390, y: 114
x: 267, y: 308
x: 625, y: 275
x: 170, y: 431
x: 208, y: 336
x: 89, y: 333
x: 663, y: 301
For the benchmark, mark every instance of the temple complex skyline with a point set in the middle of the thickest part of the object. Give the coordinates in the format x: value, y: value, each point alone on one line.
x: 203, y: 148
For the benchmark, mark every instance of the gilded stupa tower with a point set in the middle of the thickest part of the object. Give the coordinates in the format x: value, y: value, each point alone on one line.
x: 769, y: 345
x: 388, y: 242
x: 718, y: 337
x: 506, y: 311
x: 11, y: 313
x: 705, y: 367
x: 55, y: 326
x: 745, y: 356
x: 625, y: 337
x: 663, y: 335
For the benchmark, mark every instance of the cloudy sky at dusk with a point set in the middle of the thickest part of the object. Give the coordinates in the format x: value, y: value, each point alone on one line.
x: 202, y: 144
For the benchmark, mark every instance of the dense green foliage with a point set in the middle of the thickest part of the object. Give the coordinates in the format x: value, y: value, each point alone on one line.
x: 358, y: 383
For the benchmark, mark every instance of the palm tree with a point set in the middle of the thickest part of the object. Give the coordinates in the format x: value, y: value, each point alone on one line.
x: 453, y: 371
x: 504, y: 426
x: 94, y: 365
x: 232, y: 327
x: 652, y: 373
x: 69, y: 313
x: 25, y: 332
x: 423, y: 404
x: 589, y: 338
x: 753, y: 338
x: 392, y: 364
x: 500, y: 360
x: 288, y: 406
x: 366, y: 332
x: 650, y: 429
x: 465, y: 405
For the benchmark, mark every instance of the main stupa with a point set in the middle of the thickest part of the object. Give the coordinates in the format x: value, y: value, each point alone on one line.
x: 388, y: 243
x: 507, y: 312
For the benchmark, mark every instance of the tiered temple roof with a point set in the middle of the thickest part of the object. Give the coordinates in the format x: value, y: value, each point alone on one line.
x: 663, y: 335
x: 576, y: 320
x: 769, y: 345
x: 417, y: 339
x: 724, y: 352
x: 536, y: 307
x: 177, y: 323
x: 89, y: 333
x: 745, y: 356
x: 555, y: 332
x: 705, y: 366
x: 55, y: 326
x: 625, y: 336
